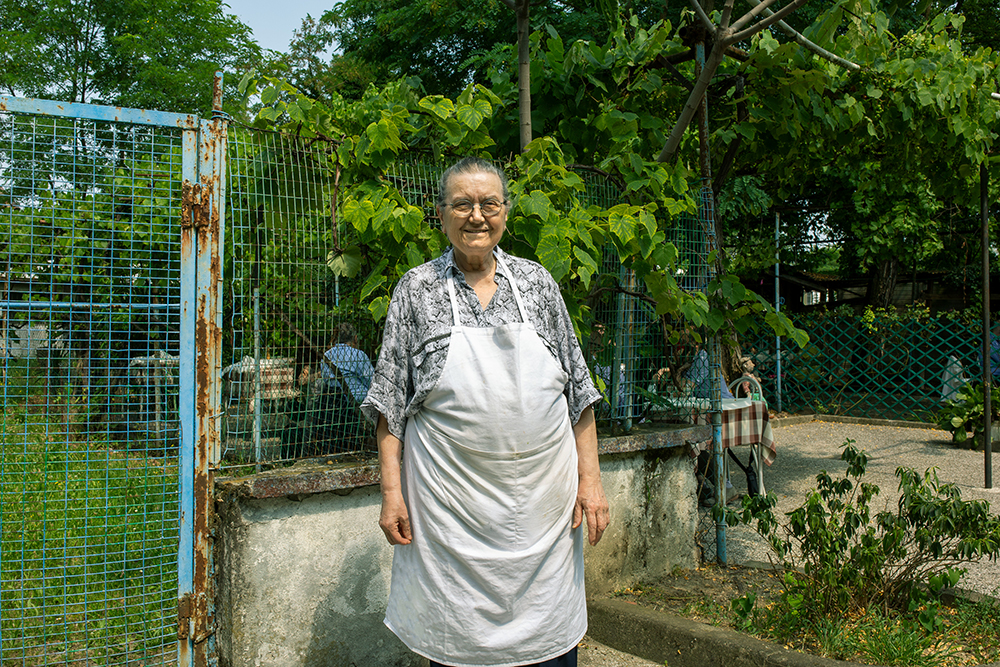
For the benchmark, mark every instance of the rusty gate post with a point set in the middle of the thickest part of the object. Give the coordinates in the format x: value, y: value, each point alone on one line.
x: 202, y: 234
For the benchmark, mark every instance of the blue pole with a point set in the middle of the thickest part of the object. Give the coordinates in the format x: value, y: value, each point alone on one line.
x: 777, y: 306
x: 707, y: 216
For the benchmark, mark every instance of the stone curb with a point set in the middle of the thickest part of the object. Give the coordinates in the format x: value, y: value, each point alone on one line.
x: 805, y: 419
x: 679, y: 642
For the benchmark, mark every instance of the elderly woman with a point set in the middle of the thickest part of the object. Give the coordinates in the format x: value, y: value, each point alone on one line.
x: 481, y: 377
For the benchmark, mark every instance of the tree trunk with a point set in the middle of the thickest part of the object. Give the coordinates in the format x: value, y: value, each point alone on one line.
x: 882, y: 283
x: 524, y: 71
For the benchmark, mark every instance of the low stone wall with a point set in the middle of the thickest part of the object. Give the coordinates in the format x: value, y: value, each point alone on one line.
x: 303, y: 569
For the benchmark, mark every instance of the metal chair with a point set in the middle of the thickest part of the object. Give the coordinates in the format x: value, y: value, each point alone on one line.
x: 756, y: 393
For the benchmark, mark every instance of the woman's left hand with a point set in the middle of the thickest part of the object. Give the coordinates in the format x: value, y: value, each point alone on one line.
x: 590, y: 499
x: 592, y: 503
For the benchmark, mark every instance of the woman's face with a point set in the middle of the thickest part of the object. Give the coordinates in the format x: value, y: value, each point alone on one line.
x: 474, y: 235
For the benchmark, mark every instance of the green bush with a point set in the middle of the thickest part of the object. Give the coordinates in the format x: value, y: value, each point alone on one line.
x: 840, y: 560
x: 966, y: 413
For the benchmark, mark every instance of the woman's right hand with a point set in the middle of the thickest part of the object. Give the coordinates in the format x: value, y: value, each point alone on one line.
x: 395, y: 519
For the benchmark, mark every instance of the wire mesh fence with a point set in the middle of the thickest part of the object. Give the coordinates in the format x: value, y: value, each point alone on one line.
x: 88, y: 363
x: 292, y: 383
x: 299, y: 343
x: 872, y: 365
x: 90, y: 352
x: 667, y: 375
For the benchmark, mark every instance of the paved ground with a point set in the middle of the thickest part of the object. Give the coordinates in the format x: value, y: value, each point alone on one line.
x: 593, y: 654
x: 804, y: 450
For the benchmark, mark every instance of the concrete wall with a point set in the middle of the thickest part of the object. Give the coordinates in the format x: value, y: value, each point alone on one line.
x: 302, y: 569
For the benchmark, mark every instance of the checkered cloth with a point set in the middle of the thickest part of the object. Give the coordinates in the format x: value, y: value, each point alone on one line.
x: 747, y: 425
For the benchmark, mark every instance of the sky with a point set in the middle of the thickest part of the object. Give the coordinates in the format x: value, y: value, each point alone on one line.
x: 274, y: 22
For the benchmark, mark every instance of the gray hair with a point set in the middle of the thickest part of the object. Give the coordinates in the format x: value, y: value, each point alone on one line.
x: 471, y: 165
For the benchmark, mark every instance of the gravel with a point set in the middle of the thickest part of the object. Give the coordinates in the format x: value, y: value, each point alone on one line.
x: 805, y: 449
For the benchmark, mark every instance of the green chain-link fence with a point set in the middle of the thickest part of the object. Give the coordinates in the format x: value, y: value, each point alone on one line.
x: 872, y: 365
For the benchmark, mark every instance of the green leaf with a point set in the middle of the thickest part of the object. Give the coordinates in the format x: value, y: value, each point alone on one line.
x: 269, y: 96
x: 473, y: 115
x: 588, y: 265
x: 554, y: 254
x: 438, y: 105
x: 414, y: 255
x: 384, y: 135
x: 622, y: 225
x: 346, y: 264
x: 536, y: 203
x: 376, y: 278
x: 379, y: 307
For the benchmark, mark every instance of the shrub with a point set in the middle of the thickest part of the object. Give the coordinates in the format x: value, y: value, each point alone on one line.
x: 966, y: 413
x: 839, y: 559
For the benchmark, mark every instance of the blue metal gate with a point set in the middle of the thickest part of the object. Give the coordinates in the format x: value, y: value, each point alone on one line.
x: 109, y: 332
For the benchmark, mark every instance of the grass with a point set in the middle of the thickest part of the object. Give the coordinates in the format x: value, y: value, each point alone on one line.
x: 88, y: 548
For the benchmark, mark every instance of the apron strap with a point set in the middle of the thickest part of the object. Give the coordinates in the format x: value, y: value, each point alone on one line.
x: 502, y: 264
x: 454, y: 299
x: 513, y: 286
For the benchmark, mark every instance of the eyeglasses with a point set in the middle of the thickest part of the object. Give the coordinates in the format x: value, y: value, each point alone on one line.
x: 488, y: 208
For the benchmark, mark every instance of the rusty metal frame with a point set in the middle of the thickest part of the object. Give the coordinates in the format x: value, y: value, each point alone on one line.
x: 202, y: 240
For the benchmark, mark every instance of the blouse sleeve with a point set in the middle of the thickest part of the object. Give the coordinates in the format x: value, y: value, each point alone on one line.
x: 392, y: 382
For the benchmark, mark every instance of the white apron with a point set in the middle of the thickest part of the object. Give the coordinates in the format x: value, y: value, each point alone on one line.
x: 494, y: 574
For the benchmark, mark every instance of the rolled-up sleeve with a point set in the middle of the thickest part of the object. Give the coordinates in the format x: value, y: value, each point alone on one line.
x: 392, y: 382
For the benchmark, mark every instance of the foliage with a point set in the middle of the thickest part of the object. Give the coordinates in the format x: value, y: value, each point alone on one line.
x: 883, y: 159
x: 456, y: 41
x: 159, y: 55
x: 840, y: 560
x: 552, y: 219
x: 967, y: 413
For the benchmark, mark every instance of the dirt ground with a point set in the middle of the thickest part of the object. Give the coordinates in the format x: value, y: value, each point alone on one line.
x: 706, y: 593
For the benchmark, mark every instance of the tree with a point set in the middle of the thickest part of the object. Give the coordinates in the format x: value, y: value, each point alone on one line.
x: 308, y: 66
x: 123, y: 52
x: 890, y: 151
x: 449, y: 44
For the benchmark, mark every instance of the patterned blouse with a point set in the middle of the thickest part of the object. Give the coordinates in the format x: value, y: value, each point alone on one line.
x: 418, y: 329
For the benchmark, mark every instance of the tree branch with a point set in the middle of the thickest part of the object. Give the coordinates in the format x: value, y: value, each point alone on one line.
x: 702, y: 16
x: 737, y: 54
x: 510, y: 3
x: 770, y: 20
x: 730, y: 157
x: 693, y: 102
x: 586, y: 167
x: 809, y: 45
x: 750, y: 15
x: 662, y: 63
x: 727, y: 13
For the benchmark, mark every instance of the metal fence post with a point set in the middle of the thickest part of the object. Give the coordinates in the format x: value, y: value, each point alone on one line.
x: 202, y: 225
